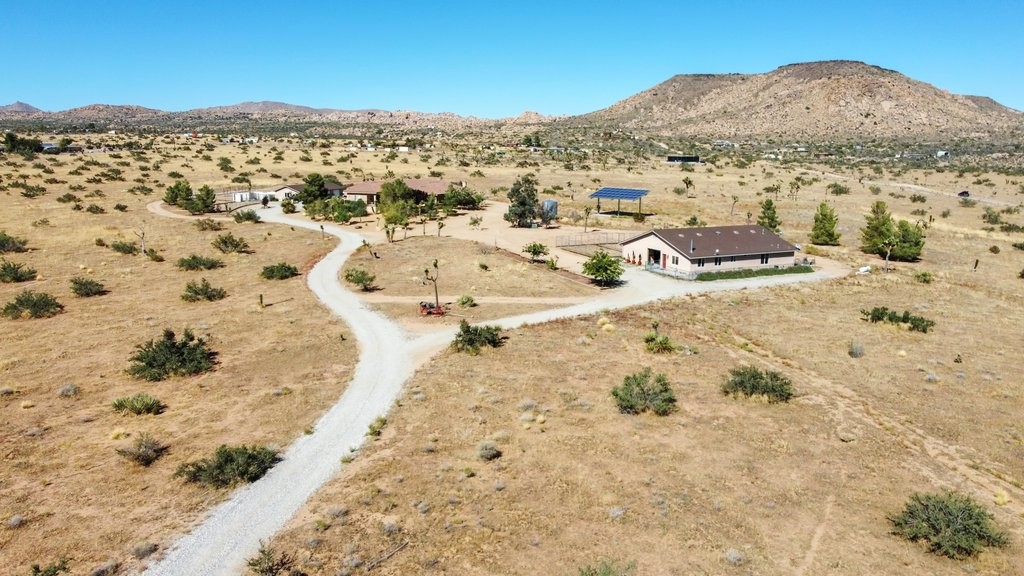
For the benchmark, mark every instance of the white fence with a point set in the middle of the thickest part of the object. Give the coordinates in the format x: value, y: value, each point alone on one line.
x: 593, y: 238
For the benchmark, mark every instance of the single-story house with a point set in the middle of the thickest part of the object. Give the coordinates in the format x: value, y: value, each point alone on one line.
x: 289, y: 190
x: 369, y: 191
x: 687, y: 252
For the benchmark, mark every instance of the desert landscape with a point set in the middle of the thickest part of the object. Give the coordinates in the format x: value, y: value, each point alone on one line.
x: 513, y: 458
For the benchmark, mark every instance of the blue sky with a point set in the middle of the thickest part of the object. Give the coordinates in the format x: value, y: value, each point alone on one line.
x: 483, y: 58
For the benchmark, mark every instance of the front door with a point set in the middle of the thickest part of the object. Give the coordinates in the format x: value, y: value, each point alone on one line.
x: 664, y: 261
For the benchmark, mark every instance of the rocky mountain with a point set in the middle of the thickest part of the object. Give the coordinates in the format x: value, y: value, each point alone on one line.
x: 19, y: 108
x: 816, y: 100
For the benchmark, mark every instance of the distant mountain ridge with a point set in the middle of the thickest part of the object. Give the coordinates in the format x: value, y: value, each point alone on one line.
x: 838, y: 99
x: 821, y: 100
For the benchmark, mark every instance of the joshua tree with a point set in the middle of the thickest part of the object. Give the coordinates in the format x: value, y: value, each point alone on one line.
x: 586, y: 216
x: 433, y: 280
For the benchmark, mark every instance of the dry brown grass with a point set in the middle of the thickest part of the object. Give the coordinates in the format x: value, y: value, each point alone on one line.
x: 719, y: 474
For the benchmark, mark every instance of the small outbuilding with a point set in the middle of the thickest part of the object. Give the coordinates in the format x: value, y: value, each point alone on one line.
x: 687, y: 252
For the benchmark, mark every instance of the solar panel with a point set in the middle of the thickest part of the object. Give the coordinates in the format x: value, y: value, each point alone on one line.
x: 620, y: 193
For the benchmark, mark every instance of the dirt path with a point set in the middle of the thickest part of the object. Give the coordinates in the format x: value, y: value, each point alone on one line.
x: 232, y: 531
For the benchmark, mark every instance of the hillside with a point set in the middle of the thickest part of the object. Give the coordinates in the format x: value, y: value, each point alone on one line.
x: 817, y: 100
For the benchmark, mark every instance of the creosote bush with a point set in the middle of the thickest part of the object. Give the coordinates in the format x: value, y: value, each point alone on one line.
x: 267, y: 562
x: 914, y: 323
x: 228, y: 243
x: 144, y: 450
x: 360, y: 278
x: 54, y: 569
x: 124, y: 247
x: 954, y: 525
x: 471, y: 339
x: 608, y: 568
x: 229, y: 466
x: 751, y: 381
x: 31, y: 304
x: 197, y: 262
x: 466, y: 301
x: 246, y: 216
x: 159, y: 359
x: 638, y: 394
x: 197, y: 291
x: 11, y: 244
x: 279, y: 271
x: 487, y: 450
x: 140, y: 403
x: 153, y: 255
x: 86, y: 287
x: 208, y: 224
x: 377, y: 427
x: 15, y: 272
x: 924, y: 277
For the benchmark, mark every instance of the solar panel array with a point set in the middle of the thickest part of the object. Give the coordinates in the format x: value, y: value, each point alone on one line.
x: 620, y: 193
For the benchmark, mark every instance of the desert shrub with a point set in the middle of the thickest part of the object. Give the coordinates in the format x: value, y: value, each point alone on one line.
x: 466, y: 301
x: 124, y: 247
x: 101, y: 243
x: 968, y: 202
x: 377, y: 427
x: 535, y: 250
x: 659, y: 344
x: 153, y: 255
x: 86, y: 287
x: 856, y: 350
x: 837, y: 189
x: 159, y: 359
x: 994, y: 249
x: 638, y: 394
x: 1018, y: 245
x: 924, y: 277
x: 487, y: 450
x: 196, y: 291
x: 54, y: 569
x: 360, y: 278
x: 920, y: 198
x: 751, y: 381
x: 228, y: 243
x: 31, y: 304
x: 279, y: 271
x: 945, y: 213
x: 15, y: 272
x: 1010, y: 227
x: 1021, y: 274
x: 67, y: 198
x: 884, y: 314
x: 143, y: 451
x: 954, y: 525
x: 197, y: 262
x: 95, y: 209
x: 246, y: 216
x: 10, y: 243
x: 121, y: 207
x: 752, y: 273
x: 471, y: 338
x: 208, y: 224
x: 267, y: 562
x: 229, y: 466
x: 288, y: 206
x: 608, y: 568
x: 140, y: 403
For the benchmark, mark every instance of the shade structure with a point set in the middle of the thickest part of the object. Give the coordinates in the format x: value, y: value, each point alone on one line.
x: 620, y: 194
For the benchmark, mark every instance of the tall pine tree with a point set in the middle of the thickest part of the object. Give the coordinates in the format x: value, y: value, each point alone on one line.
x: 824, y: 231
x: 768, y: 218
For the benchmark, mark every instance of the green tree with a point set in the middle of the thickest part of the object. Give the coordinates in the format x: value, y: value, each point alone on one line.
x: 204, y: 201
x: 604, y: 268
x: 361, y: 278
x: 883, y: 236
x: 768, y: 217
x: 313, y: 188
x: 523, y: 206
x: 397, y: 202
x: 824, y: 231
x: 178, y: 194
x: 909, y: 242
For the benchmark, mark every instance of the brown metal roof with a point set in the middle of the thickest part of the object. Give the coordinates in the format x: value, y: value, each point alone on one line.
x: 712, y: 241
x: 427, y: 186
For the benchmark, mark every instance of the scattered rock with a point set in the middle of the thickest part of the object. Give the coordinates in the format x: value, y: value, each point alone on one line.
x: 499, y: 486
x: 616, y: 512
x: 423, y: 508
x: 734, y: 557
x: 34, y: 432
x: 5, y: 392
x: 16, y: 521
x: 846, y: 434
x: 144, y: 549
x: 69, y: 391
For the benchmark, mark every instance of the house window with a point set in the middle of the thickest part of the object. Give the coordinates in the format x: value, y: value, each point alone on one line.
x: 700, y: 262
x: 732, y: 258
x: 675, y: 260
x: 764, y: 258
x: 718, y: 261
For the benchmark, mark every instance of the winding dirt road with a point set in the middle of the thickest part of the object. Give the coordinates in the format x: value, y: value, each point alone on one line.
x: 232, y: 531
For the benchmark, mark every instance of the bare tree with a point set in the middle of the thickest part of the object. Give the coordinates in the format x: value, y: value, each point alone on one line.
x: 433, y: 280
x: 141, y: 233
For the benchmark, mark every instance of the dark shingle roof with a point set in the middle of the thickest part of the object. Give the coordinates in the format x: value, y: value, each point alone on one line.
x: 712, y: 241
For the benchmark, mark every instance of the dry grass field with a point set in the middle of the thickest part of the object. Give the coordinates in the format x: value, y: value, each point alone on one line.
x: 797, y: 488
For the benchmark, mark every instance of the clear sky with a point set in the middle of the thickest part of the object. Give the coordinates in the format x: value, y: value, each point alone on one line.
x: 485, y: 58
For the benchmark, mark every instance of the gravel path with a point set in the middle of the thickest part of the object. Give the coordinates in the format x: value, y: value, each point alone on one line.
x: 232, y: 531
